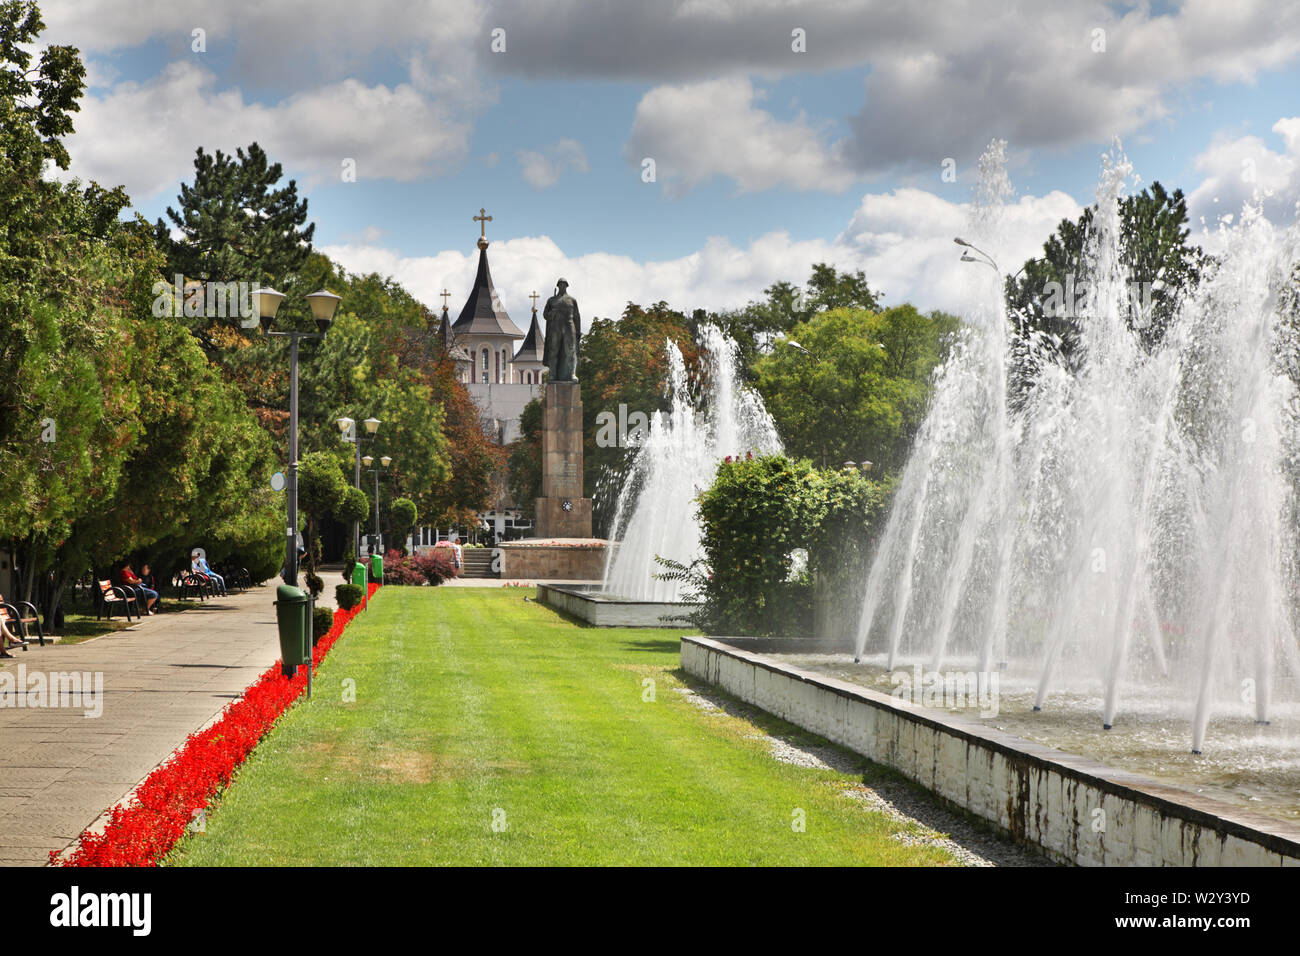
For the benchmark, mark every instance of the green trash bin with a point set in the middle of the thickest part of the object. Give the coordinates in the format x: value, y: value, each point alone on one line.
x: 293, y: 619
x: 377, y: 567
x: 359, y: 576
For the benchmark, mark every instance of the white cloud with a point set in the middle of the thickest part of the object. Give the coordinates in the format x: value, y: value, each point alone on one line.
x: 1245, y: 169
x: 942, y: 78
x: 701, y: 130
x: 543, y: 168
x: 391, y: 133
x: 902, y: 240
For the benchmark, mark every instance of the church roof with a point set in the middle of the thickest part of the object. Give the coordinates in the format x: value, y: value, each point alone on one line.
x: 448, y: 340
x: 483, y: 313
x: 534, y: 344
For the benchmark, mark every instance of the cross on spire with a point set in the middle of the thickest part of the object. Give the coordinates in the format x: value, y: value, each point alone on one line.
x: 482, y: 219
x: 444, y: 295
x: 534, y: 297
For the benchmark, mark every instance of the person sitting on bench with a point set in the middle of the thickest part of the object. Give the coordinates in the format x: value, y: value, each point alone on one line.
x: 7, y: 637
x: 130, y: 580
x: 199, y: 565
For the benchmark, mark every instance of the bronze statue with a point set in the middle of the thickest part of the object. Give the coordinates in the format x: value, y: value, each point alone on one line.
x: 563, y: 335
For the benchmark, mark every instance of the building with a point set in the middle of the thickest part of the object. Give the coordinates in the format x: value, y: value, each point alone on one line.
x: 500, y: 378
x: 502, y: 368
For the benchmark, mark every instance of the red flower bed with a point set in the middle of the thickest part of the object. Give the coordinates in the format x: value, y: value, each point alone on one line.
x: 142, y: 830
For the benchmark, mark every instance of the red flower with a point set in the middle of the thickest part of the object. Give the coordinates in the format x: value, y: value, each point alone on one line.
x: 143, y: 829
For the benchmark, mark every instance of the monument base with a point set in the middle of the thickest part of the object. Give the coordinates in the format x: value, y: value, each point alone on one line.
x: 554, y: 559
x: 553, y: 521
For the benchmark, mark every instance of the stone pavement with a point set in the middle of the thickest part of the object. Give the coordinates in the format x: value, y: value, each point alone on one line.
x: 164, y: 678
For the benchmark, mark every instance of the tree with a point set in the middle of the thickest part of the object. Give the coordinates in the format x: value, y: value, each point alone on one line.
x: 859, y: 390
x: 236, y: 222
x: 755, y: 326
x: 1052, y: 291
x: 524, y: 463
x: 321, y: 492
x: 623, y: 369
x: 402, y: 515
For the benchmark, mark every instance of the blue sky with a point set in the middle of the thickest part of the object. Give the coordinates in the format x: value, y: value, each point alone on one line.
x: 768, y: 158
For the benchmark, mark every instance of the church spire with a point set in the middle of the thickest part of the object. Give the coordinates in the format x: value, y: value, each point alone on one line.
x: 483, y: 313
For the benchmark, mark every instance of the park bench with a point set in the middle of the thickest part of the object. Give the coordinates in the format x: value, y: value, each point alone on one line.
x: 236, y: 577
x: 111, y: 597
x: 188, y: 584
x: 20, y: 617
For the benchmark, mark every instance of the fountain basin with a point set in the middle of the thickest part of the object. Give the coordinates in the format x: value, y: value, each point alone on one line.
x: 1076, y: 810
x: 597, y: 606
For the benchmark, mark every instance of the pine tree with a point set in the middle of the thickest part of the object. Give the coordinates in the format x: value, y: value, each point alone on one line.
x: 236, y: 223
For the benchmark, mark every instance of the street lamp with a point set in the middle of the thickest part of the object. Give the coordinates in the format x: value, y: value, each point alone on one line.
x: 323, y: 306
x: 349, y: 428
x: 368, y: 461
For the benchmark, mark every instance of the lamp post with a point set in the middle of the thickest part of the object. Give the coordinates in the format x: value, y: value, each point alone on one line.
x: 368, y: 461
x: 323, y: 306
x: 348, y: 427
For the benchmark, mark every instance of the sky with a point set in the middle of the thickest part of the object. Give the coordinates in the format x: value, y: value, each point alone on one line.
x: 691, y: 151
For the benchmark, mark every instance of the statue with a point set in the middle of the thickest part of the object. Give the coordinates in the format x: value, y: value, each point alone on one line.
x: 563, y: 335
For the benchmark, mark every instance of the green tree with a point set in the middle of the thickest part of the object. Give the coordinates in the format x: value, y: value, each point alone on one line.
x: 623, y: 369
x: 402, y: 515
x: 1052, y: 291
x: 525, y: 460
x: 858, y: 389
x: 236, y: 222
x: 755, y: 326
x: 321, y: 492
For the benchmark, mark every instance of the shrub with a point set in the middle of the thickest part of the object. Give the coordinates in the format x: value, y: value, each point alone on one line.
x: 753, y: 518
x: 436, y: 564
x: 430, y: 567
x: 322, y: 619
x: 314, y: 583
x: 347, y: 596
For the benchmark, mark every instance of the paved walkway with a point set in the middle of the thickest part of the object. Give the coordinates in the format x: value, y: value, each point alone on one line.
x: 163, y: 679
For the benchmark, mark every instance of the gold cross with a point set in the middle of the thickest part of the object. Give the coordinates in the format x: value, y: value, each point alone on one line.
x: 534, y: 297
x: 445, y: 293
x: 482, y: 219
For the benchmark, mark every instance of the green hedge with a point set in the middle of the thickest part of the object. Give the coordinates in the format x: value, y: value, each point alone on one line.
x: 755, y: 517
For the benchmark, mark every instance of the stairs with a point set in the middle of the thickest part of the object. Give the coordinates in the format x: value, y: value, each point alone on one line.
x: 478, y: 563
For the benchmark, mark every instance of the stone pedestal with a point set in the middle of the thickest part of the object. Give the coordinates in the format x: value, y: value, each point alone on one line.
x: 562, y: 511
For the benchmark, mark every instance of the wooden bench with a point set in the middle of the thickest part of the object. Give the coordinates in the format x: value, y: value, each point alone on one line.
x: 19, y: 617
x: 111, y: 597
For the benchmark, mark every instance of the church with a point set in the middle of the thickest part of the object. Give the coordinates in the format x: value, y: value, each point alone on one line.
x: 501, y: 378
x: 501, y: 367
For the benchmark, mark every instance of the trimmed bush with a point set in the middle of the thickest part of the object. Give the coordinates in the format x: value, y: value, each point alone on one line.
x: 347, y: 596
x: 321, y: 621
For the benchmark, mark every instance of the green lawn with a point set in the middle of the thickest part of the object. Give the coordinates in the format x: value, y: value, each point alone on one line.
x: 474, y: 706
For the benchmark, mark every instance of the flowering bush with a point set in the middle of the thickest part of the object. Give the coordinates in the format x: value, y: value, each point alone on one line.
x: 432, y: 566
x: 436, y: 564
x: 143, y: 829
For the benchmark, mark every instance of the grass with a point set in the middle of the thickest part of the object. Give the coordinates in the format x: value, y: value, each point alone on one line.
x: 474, y: 707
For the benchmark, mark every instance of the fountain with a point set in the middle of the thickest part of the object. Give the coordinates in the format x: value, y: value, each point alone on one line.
x: 1132, y: 520
x: 654, y: 514
x: 1080, y: 617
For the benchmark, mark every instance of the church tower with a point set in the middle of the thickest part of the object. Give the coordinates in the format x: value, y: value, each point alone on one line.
x: 530, y: 360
